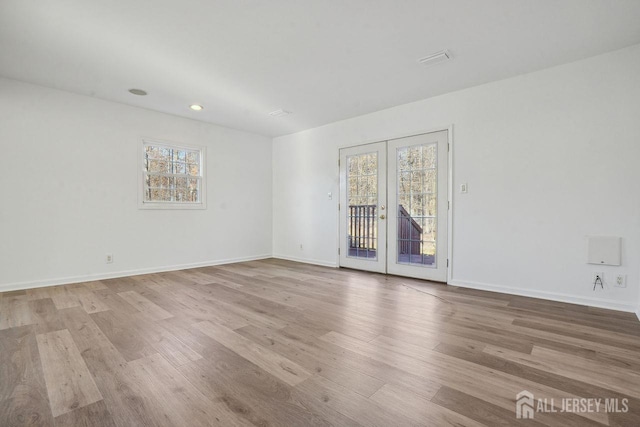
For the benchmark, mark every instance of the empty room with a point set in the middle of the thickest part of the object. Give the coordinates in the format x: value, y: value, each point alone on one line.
x: 320, y: 213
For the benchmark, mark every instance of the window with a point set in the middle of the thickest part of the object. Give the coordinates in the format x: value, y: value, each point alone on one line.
x: 172, y: 176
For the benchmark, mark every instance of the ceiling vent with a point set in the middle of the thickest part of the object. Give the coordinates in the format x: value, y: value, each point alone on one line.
x: 435, y: 58
x: 279, y: 113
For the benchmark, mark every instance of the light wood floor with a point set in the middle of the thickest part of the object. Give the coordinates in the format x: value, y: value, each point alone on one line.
x: 276, y: 343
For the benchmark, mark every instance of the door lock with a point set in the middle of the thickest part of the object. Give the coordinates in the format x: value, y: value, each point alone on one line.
x: 381, y: 207
x: 382, y: 217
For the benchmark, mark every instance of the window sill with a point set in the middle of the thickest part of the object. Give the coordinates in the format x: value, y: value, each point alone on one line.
x: 171, y: 206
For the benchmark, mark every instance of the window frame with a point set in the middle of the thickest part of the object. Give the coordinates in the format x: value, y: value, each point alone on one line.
x: 142, y: 203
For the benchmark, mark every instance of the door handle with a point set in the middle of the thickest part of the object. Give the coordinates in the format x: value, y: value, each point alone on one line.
x: 382, y: 217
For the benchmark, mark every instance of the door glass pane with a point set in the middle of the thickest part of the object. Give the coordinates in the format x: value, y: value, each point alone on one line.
x: 362, y: 194
x: 417, y: 208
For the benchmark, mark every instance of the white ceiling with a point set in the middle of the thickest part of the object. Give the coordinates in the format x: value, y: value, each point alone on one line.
x: 324, y: 60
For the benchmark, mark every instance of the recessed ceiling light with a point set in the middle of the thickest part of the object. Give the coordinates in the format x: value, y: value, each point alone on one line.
x: 279, y: 113
x: 138, y: 92
x: 436, y: 58
x: 196, y: 107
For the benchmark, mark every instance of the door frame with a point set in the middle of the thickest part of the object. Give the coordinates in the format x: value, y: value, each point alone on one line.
x: 449, y: 129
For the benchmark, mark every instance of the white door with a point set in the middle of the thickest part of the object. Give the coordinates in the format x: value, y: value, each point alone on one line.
x: 363, y: 182
x: 418, y: 206
x: 408, y: 235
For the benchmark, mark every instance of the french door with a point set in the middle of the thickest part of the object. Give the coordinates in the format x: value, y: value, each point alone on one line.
x: 363, y: 207
x: 394, y: 206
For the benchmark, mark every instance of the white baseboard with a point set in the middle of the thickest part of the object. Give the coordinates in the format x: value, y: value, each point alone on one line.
x: 114, y: 275
x: 553, y: 296
x: 306, y: 261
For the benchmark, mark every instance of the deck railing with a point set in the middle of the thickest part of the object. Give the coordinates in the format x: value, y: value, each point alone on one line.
x: 409, y: 233
x: 362, y: 227
x: 363, y: 230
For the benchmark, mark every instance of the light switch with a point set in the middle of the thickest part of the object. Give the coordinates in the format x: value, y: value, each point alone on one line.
x: 464, y: 188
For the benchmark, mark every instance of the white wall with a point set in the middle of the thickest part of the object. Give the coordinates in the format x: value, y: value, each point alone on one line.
x: 69, y: 177
x: 638, y: 309
x: 549, y: 157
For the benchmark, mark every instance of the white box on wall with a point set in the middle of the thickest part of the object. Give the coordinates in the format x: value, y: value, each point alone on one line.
x: 604, y: 250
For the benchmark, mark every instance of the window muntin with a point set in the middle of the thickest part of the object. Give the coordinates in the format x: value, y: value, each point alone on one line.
x: 417, y: 169
x: 172, y: 175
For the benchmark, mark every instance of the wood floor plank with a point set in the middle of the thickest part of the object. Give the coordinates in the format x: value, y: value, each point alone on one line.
x: 252, y: 393
x: 365, y: 411
x: 199, y: 342
x: 93, y: 415
x: 15, y: 311
x: 115, y: 303
x: 598, y: 321
x: 573, y: 345
x: 568, y: 329
x: 479, y: 410
x: 315, y: 362
x: 194, y: 276
x: 468, y: 376
x: 120, y: 284
x: 276, y: 365
x: 281, y: 343
x: 69, y: 382
x: 162, y: 340
x: 45, y: 316
x: 145, y: 306
x: 19, y: 292
x: 23, y: 393
x: 39, y: 293
x: 418, y: 408
x: 349, y: 362
x: 176, y: 398
x: 620, y: 380
x: 230, y: 302
x: 117, y: 328
x: 196, y: 307
x: 96, y: 285
x: 88, y: 336
x: 90, y: 302
x: 126, y: 401
x: 64, y: 297
x: 538, y: 381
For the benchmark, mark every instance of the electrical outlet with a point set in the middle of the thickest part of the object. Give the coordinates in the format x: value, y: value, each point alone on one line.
x: 109, y: 258
x: 598, y: 280
x: 621, y: 281
x: 300, y: 246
